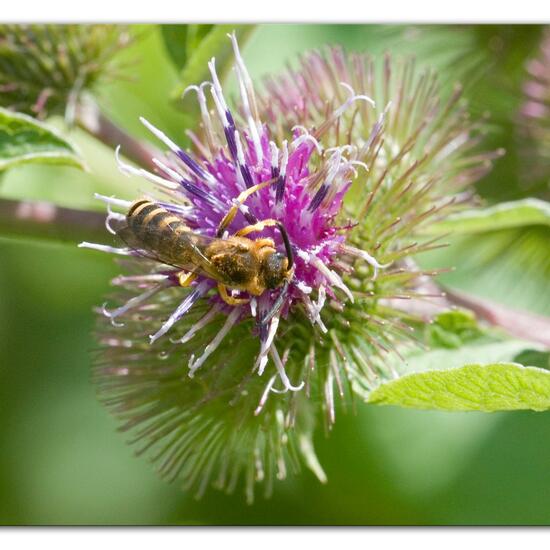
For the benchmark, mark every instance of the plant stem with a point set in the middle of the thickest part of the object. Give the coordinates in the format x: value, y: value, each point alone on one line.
x: 528, y: 326
x: 46, y: 221
x: 89, y: 117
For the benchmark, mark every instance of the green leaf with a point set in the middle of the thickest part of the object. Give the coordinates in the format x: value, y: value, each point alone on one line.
x: 201, y: 48
x: 534, y: 358
x: 509, y: 266
x: 175, y: 42
x: 485, y: 349
x: 458, y: 372
x: 454, y: 338
x: 451, y: 329
x: 181, y: 40
x: 24, y: 140
x: 476, y: 387
x: 500, y: 216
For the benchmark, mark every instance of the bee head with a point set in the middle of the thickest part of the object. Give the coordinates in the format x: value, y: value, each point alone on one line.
x: 274, y: 270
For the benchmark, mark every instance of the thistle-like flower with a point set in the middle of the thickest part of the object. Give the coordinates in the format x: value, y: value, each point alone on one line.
x: 44, y: 68
x: 191, y: 362
x: 425, y: 136
x: 534, y: 119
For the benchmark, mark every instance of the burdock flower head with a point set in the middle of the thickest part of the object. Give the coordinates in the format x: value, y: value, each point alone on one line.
x: 45, y: 68
x: 534, y: 119
x: 252, y: 272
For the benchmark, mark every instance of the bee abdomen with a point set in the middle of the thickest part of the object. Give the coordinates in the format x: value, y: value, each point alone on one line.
x: 152, y: 223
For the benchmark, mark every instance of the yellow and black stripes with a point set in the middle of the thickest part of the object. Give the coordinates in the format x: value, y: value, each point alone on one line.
x: 154, y: 225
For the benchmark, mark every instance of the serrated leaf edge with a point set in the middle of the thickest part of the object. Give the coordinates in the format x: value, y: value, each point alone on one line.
x: 370, y: 399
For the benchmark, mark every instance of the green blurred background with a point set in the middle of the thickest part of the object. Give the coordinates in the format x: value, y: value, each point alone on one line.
x: 62, y: 461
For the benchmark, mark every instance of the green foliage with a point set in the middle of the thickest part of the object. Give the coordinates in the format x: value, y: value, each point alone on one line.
x: 25, y: 140
x: 202, y: 431
x: 496, y: 92
x: 466, y: 368
x: 509, y: 266
x: 477, y: 387
x: 181, y: 40
x: 500, y: 216
x: 454, y: 340
x: 452, y: 329
x: 197, y: 45
x: 534, y: 358
x: 44, y: 68
x: 500, y: 252
x: 487, y: 348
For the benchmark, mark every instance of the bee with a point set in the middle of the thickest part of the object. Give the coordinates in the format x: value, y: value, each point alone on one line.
x: 236, y: 262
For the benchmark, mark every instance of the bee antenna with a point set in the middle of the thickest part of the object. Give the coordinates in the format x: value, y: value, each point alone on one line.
x: 288, y: 246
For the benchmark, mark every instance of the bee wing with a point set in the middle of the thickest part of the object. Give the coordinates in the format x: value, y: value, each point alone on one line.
x: 191, y: 244
x: 125, y: 233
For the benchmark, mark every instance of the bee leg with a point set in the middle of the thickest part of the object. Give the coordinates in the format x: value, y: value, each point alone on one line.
x: 230, y: 216
x: 185, y: 278
x: 261, y: 243
x: 222, y: 289
x: 260, y: 226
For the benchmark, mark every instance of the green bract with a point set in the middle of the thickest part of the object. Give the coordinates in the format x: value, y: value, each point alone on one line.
x: 227, y: 422
x: 45, y: 68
